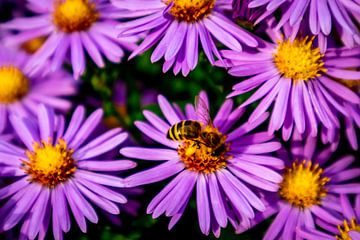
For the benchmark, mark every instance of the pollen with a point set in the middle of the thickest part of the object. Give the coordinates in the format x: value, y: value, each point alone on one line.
x: 346, y: 227
x: 298, y: 59
x: 74, y: 15
x: 303, y: 184
x: 199, y: 156
x: 13, y: 84
x: 33, y: 45
x: 50, y: 164
x: 190, y: 10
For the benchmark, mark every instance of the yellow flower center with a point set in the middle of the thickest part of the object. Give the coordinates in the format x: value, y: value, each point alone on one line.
x: 50, y: 165
x: 346, y: 227
x: 303, y: 184
x: 190, y: 10
x: 13, y: 84
x: 298, y: 59
x: 74, y: 15
x: 206, y: 154
x: 33, y: 45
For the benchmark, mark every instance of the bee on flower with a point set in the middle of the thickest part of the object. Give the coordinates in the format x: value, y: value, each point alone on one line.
x: 222, y: 162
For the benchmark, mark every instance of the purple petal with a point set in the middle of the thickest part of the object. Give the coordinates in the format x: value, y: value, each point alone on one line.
x: 217, y: 203
x: 107, y: 166
x: 153, y: 154
x: 102, y: 179
x: 154, y: 174
x: 202, y: 200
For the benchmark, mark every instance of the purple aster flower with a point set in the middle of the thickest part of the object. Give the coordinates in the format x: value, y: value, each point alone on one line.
x: 309, y: 192
x: 243, y: 12
x: 351, y: 126
x: 72, y: 27
x: 351, y: 121
x: 225, y: 164
x: 59, y: 168
x: 176, y: 26
x: 349, y: 229
x: 319, y: 16
x: 21, y: 93
x: 300, y: 81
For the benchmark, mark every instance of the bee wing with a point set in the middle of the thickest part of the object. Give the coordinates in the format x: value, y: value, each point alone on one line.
x: 202, y: 109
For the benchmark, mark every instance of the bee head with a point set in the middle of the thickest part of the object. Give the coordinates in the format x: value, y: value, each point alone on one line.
x: 211, y: 139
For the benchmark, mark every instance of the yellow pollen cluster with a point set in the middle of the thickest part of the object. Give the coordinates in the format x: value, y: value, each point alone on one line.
x: 199, y: 157
x: 298, y: 59
x: 13, y: 84
x: 190, y: 10
x: 74, y: 15
x: 346, y: 227
x: 50, y: 165
x: 303, y: 184
x: 33, y: 45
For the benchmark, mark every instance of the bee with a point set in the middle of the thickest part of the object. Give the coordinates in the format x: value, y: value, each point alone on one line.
x: 213, y: 140
x: 184, y: 130
x: 197, y: 131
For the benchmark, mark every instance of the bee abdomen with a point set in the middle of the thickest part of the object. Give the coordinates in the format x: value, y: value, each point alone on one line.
x: 184, y: 130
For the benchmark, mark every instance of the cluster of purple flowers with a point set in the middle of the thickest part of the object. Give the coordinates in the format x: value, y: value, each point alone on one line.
x: 303, y: 70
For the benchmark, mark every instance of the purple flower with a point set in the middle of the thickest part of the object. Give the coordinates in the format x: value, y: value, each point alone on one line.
x: 243, y: 12
x: 309, y: 192
x: 347, y: 230
x: 177, y: 25
x: 225, y: 165
x: 319, y: 16
x: 72, y: 27
x: 300, y: 81
x: 351, y: 121
x: 351, y: 124
x: 21, y: 93
x: 60, y: 167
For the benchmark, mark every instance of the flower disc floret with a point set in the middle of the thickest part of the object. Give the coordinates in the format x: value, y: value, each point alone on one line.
x: 74, y: 15
x: 303, y: 184
x: 298, y: 59
x: 346, y: 227
x: 33, y: 45
x: 13, y: 84
x: 190, y: 10
x: 50, y: 164
x: 199, y: 157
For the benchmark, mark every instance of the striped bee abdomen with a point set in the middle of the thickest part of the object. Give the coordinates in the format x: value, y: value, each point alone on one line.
x: 184, y: 130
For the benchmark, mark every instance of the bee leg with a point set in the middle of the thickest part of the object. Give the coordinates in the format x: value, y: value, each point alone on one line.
x: 191, y: 150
